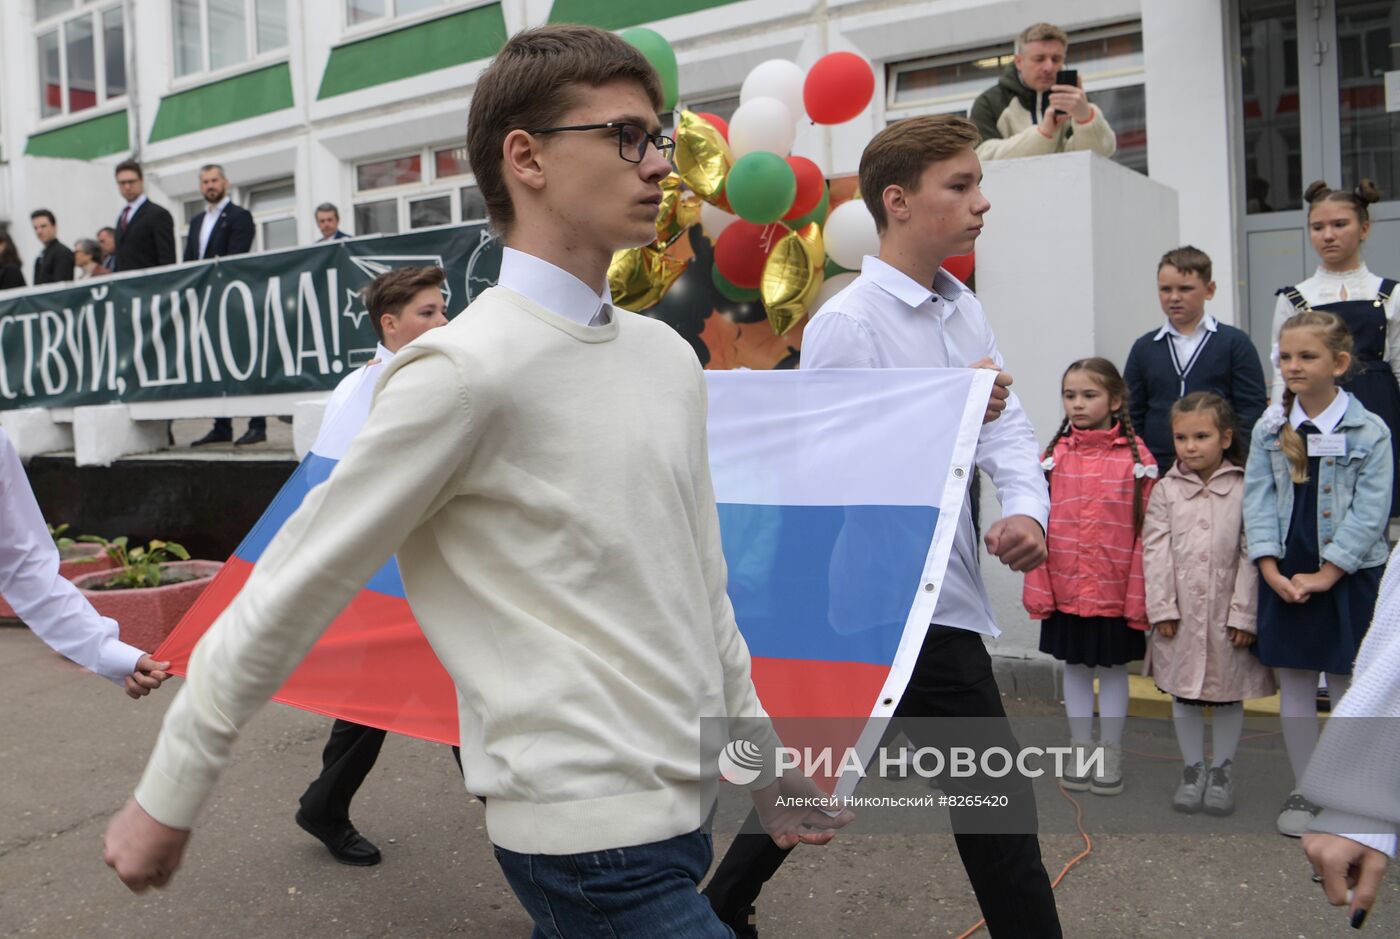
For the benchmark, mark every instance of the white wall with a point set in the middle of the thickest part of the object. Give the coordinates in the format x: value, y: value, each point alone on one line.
x: 1066, y: 268
x: 1188, y: 131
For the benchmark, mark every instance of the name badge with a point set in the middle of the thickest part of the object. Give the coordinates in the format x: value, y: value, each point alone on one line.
x: 1327, y: 445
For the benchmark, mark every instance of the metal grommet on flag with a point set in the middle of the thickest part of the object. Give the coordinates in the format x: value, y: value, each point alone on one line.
x: 959, y: 472
x: 928, y: 588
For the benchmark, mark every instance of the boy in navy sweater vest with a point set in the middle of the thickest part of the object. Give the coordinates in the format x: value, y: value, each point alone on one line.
x: 1191, y: 352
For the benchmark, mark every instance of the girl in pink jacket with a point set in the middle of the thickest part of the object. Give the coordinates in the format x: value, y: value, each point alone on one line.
x: 1202, y: 591
x: 1088, y: 594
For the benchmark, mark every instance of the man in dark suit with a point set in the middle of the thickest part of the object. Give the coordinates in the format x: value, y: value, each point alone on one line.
x: 220, y: 230
x: 145, y: 231
x: 55, y: 262
x: 107, y: 241
x: 328, y: 222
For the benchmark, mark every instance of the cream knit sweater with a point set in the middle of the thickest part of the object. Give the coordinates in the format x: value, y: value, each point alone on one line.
x: 546, y: 488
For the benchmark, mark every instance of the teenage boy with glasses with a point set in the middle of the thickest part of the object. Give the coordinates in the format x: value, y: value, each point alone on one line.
x: 539, y: 467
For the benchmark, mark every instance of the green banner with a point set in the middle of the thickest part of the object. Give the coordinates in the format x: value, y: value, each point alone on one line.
x: 284, y: 321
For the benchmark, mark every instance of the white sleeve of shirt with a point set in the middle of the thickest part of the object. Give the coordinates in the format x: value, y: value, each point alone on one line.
x: 29, y: 580
x: 837, y: 340
x: 1008, y: 451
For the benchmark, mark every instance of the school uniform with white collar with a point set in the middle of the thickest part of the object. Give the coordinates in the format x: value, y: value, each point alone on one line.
x: 1338, y: 515
x: 1166, y: 365
x: 1368, y: 304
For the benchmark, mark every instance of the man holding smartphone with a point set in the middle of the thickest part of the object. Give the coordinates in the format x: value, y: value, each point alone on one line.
x: 1037, y: 106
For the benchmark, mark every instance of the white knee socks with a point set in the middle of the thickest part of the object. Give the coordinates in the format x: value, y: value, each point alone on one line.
x: 1113, y: 702
x: 1298, y: 713
x: 1190, y: 724
x: 1226, y: 725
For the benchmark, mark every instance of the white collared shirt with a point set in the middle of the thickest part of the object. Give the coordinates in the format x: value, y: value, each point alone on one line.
x: 355, y: 391
x: 1185, y: 345
x: 1327, y: 421
x: 48, y: 603
x: 884, y: 319
x: 206, y: 225
x: 554, y: 288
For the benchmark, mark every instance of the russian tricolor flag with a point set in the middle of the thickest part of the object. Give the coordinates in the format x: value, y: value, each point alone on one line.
x: 838, y: 494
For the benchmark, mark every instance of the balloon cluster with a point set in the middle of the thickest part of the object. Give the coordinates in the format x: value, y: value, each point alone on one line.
x: 766, y: 211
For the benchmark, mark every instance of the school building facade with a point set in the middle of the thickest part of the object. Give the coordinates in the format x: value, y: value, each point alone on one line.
x: 1236, y: 104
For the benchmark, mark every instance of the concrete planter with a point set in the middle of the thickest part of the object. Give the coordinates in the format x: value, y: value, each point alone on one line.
x: 147, y: 615
x: 73, y: 562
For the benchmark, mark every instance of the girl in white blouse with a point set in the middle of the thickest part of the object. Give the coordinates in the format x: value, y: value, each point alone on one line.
x: 1338, y: 225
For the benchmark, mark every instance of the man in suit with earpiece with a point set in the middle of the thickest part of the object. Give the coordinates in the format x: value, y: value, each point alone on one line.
x: 222, y: 229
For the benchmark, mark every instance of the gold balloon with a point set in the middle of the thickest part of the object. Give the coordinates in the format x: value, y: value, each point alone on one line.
x: 793, y: 276
x: 680, y: 209
x: 640, y: 277
x: 702, y: 157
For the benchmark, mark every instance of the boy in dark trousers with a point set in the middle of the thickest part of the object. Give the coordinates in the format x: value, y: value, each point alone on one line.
x: 1190, y: 352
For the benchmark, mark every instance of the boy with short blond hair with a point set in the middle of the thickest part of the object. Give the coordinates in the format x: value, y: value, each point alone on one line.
x: 1192, y: 351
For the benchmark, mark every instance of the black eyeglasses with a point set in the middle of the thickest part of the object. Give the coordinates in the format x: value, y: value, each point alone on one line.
x: 632, y: 139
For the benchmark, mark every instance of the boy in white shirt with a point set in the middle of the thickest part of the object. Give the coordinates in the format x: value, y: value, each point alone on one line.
x: 50, y: 605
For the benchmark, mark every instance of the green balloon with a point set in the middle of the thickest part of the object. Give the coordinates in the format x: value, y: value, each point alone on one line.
x: 662, y: 58
x: 760, y: 187
x: 817, y: 215
x: 729, y: 290
x: 832, y: 269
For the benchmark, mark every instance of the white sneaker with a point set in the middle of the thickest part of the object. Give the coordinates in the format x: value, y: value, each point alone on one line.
x: 1192, y: 788
x: 1109, y: 780
x: 1220, y: 790
x: 1296, y: 816
x: 1073, y: 780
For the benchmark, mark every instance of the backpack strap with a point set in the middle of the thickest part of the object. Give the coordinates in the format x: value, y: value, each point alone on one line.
x: 1294, y: 297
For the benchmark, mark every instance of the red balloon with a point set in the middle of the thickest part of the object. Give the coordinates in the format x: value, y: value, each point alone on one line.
x: 839, y: 87
x: 961, y: 266
x: 719, y: 123
x: 809, y: 186
x: 741, y: 250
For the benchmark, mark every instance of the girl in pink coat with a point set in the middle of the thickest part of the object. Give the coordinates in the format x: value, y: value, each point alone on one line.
x: 1088, y: 594
x: 1202, y: 591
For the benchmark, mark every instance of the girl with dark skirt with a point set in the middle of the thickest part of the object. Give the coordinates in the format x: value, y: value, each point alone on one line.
x: 1088, y: 594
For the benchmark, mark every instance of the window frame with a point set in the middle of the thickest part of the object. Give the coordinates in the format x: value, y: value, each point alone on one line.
x: 432, y: 185
x: 94, y: 11
x: 391, y: 21
x: 192, y: 205
x: 205, y: 75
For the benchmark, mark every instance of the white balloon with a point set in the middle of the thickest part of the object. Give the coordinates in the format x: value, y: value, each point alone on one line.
x: 776, y: 78
x: 714, y: 220
x: 830, y: 288
x: 762, y: 124
x: 849, y: 234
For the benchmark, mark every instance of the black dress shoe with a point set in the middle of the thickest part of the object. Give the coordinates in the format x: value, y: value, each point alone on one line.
x: 344, y: 843
x: 251, y: 436
x: 214, y: 436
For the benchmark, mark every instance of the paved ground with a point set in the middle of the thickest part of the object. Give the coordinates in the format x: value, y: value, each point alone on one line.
x: 71, y: 747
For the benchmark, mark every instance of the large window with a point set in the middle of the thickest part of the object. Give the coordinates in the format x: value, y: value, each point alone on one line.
x: 81, y: 54
x: 1108, y: 59
x: 416, y: 190
x: 210, y: 35
x: 365, y: 11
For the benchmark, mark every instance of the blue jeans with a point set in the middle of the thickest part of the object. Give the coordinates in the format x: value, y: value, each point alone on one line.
x: 638, y: 892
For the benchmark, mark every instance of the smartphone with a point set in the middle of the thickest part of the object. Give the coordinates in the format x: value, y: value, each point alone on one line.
x: 1066, y: 76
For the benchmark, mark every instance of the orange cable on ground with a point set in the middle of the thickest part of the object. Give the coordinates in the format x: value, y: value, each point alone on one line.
x: 1088, y: 850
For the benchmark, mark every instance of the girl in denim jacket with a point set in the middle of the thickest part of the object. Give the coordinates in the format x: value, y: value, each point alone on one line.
x: 1317, y: 499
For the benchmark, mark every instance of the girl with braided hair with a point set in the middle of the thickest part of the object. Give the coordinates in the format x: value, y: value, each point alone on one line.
x: 1317, y: 497
x: 1339, y: 221
x: 1089, y: 593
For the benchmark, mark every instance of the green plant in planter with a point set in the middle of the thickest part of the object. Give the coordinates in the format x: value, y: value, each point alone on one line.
x: 60, y: 542
x: 140, y: 567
